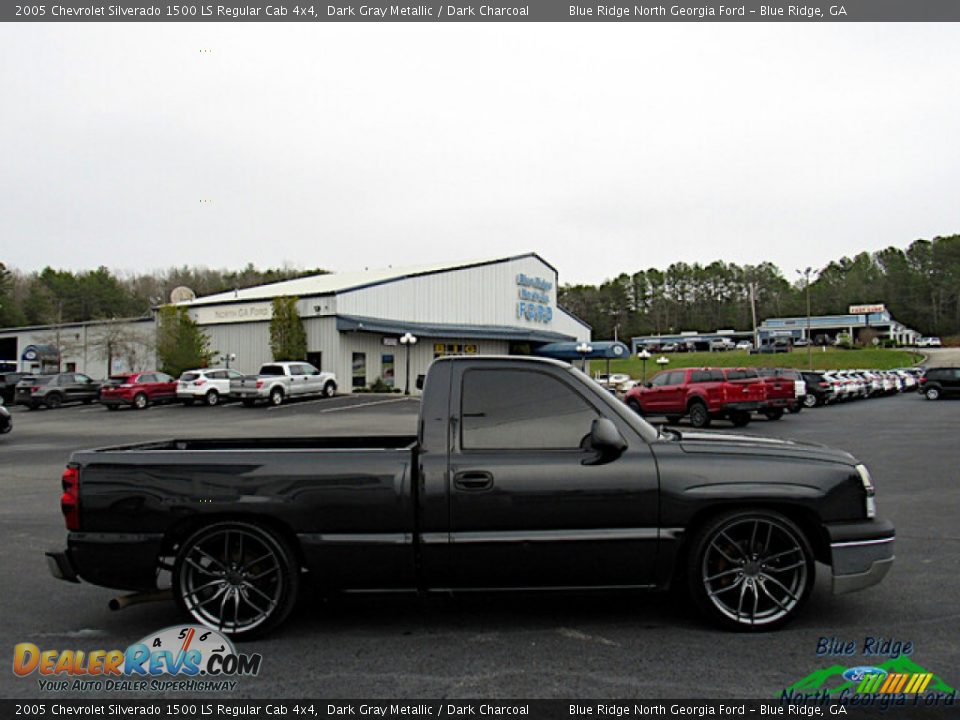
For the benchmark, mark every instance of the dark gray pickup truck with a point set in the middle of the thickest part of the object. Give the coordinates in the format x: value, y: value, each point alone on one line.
x: 524, y: 474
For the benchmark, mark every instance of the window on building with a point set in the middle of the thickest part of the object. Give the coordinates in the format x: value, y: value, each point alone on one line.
x: 387, y: 369
x: 358, y: 366
x: 521, y: 410
x: 71, y: 367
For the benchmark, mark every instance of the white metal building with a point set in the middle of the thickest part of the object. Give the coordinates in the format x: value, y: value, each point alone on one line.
x: 354, y: 320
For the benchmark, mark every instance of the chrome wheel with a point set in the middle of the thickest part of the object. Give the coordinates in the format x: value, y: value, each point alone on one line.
x: 932, y: 393
x: 754, y: 570
x: 212, y: 398
x: 140, y: 401
x: 276, y: 396
x: 809, y: 401
x: 235, y: 577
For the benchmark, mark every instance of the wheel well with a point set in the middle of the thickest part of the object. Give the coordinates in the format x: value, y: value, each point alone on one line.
x: 696, y: 400
x: 805, y: 519
x: 185, y: 528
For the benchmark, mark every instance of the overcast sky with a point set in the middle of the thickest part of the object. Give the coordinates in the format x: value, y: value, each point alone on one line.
x: 604, y: 147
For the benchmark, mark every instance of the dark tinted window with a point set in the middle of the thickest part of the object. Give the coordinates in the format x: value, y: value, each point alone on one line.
x: 701, y: 376
x: 741, y: 374
x: 147, y: 378
x: 65, y: 379
x: 118, y: 379
x: 41, y: 380
x: 189, y: 377
x: 272, y: 370
x: 519, y: 409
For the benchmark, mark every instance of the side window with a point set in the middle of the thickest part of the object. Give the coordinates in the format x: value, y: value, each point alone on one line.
x: 676, y: 377
x: 235, y: 374
x: 521, y: 410
x: 660, y: 380
x: 161, y: 377
x: 65, y: 379
x: 83, y: 379
x: 217, y: 375
x: 310, y: 370
x: 296, y: 370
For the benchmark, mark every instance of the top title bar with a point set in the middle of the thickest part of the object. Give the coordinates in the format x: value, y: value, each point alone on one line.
x: 477, y: 11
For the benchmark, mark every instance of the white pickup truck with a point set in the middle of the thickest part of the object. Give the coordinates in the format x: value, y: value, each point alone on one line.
x: 278, y: 381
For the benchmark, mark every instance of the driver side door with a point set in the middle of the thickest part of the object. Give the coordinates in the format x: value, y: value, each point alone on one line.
x: 528, y: 507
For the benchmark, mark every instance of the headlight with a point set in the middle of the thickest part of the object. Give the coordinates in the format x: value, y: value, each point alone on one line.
x: 869, y: 490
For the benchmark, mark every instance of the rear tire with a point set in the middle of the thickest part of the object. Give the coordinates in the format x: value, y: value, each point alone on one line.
x: 187, y: 402
x: 53, y: 401
x: 140, y: 401
x: 773, y: 413
x: 932, y: 393
x: 764, y: 555
x: 795, y: 408
x: 247, y: 402
x: 634, y: 405
x: 276, y: 397
x: 251, y: 568
x: 810, y: 401
x: 699, y: 416
x: 212, y: 398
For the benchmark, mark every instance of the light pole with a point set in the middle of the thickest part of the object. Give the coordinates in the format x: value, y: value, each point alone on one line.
x: 407, y: 339
x: 644, y: 355
x: 584, y: 349
x: 805, y: 274
x: 662, y: 361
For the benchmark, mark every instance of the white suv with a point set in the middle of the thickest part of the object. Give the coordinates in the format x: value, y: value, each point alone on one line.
x: 206, y: 385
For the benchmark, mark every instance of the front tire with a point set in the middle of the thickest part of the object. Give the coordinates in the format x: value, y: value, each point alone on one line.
x: 239, y: 578
x: 750, y: 570
x: 330, y: 389
x: 699, y: 416
x: 634, y: 405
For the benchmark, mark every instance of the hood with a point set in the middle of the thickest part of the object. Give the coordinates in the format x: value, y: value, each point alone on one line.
x: 729, y: 443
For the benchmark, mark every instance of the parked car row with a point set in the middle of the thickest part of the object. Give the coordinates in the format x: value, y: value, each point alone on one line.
x: 707, y: 394
x: 275, y: 383
x: 737, y: 394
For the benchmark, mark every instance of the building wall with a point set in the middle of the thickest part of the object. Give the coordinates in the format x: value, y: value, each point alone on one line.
x: 483, y: 295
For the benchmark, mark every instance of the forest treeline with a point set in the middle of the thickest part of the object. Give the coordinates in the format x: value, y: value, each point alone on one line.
x: 920, y: 285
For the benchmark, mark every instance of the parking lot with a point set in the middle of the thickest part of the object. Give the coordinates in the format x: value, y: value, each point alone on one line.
x: 585, y: 645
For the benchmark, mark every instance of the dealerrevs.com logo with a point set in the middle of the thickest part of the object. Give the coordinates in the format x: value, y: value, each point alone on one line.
x: 178, y: 658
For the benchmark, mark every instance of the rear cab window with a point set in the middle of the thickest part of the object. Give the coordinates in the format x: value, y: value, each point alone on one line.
x: 272, y: 370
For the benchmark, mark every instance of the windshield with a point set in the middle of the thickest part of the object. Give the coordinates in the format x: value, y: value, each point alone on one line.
x: 646, y: 431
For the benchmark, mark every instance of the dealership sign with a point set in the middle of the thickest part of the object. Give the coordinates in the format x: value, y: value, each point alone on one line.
x: 248, y: 312
x: 867, y: 309
x: 533, y: 302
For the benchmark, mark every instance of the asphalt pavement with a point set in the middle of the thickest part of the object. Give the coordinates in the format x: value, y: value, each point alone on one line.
x: 499, y: 646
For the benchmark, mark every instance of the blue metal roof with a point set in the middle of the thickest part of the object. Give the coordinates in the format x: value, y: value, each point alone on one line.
x: 568, y: 351
x: 355, y: 323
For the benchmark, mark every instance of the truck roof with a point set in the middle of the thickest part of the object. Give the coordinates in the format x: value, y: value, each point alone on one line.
x: 501, y: 358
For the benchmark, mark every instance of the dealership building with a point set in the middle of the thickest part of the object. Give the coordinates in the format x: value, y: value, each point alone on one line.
x: 355, y: 321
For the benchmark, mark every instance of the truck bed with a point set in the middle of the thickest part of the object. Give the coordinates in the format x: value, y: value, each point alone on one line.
x: 373, y: 442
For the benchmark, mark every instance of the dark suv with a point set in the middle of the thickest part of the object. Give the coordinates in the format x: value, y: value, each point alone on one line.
x: 8, y: 385
x: 52, y: 391
x: 940, y: 382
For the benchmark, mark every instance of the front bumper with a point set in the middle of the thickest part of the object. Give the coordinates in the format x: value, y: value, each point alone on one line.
x: 861, y: 553
x: 124, y: 561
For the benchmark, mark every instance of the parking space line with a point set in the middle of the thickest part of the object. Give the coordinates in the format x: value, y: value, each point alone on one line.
x: 339, y: 407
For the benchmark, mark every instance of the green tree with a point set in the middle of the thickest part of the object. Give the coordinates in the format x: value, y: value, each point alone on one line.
x: 181, y: 344
x: 288, y: 339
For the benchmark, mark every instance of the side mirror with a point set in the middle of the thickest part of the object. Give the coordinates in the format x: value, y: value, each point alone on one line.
x: 606, y: 441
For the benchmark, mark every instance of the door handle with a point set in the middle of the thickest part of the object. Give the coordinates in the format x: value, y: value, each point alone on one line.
x: 473, y: 480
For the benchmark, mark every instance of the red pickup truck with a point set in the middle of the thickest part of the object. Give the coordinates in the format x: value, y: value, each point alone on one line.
x: 703, y: 394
